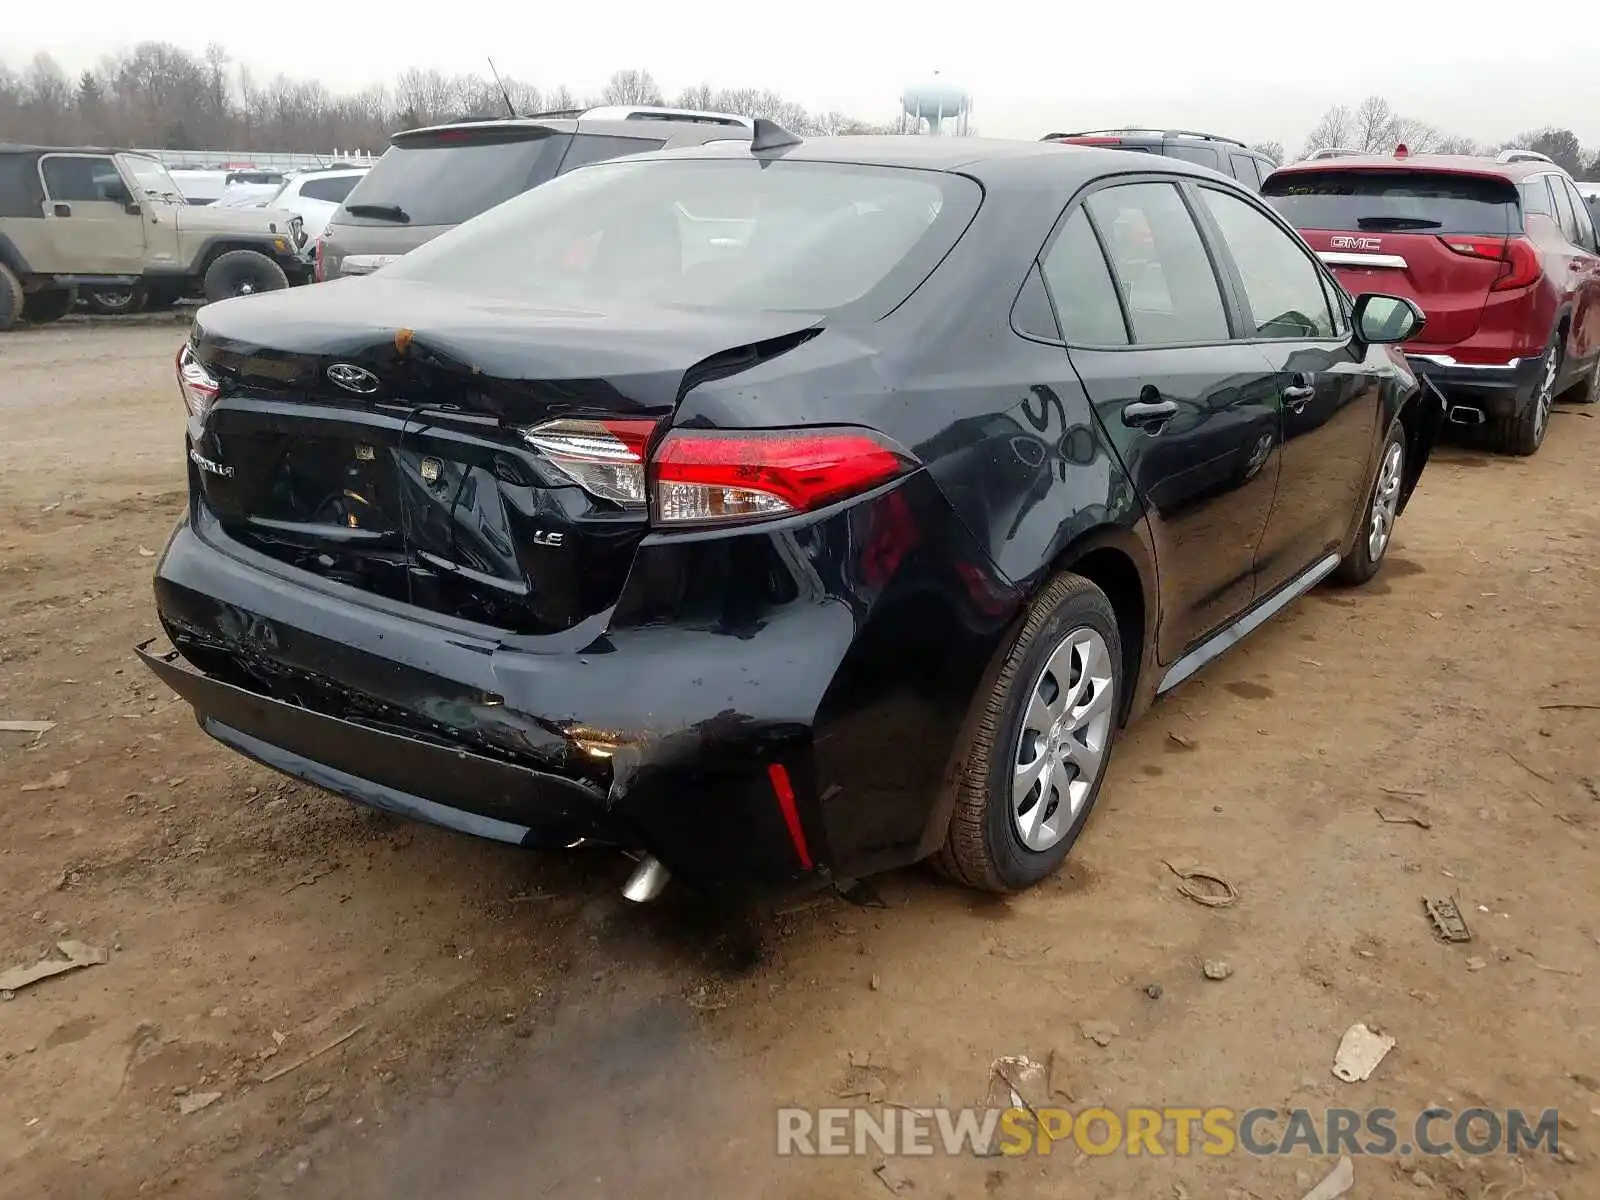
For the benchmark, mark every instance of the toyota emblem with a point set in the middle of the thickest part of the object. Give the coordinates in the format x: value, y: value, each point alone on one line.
x: 353, y: 378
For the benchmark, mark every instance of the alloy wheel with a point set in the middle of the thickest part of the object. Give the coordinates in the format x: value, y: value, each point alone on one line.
x: 1066, y: 730
x: 1385, y: 502
x: 1546, y: 395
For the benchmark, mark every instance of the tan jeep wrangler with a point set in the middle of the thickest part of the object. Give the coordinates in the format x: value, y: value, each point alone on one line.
x: 114, y: 224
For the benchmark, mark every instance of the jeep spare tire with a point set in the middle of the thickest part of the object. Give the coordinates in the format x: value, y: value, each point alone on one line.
x: 11, y: 300
x: 242, y: 273
x: 49, y: 305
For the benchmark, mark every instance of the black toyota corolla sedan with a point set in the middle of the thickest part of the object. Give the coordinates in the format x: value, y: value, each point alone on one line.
x: 778, y: 511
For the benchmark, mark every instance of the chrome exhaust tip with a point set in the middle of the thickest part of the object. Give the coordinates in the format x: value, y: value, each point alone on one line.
x: 1465, y: 414
x: 649, y: 880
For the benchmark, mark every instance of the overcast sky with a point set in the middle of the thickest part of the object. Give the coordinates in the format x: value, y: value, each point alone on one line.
x: 1246, y: 68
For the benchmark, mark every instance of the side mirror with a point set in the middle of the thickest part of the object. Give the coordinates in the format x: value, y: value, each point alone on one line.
x: 1380, y: 320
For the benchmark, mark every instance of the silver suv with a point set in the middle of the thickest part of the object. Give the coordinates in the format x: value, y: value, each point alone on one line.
x: 430, y: 180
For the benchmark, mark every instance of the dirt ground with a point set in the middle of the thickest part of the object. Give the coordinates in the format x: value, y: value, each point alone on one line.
x: 515, y: 1029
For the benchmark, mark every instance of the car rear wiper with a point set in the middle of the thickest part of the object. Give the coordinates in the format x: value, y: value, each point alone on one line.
x: 1397, y: 223
x: 392, y: 212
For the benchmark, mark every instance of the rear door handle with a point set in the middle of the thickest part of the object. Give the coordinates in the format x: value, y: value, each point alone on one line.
x: 1148, y: 414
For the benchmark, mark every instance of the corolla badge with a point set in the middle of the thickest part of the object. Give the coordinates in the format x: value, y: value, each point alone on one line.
x: 353, y: 378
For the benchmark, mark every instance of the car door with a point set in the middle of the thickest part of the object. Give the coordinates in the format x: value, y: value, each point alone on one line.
x: 1191, y: 412
x: 1583, y: 273
x: 1330, y: 384
x: 91, y: 230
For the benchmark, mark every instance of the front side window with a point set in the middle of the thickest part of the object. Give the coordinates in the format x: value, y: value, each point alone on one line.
x: 714, y: 233
x: 1580, y: 215
x: 82, y: 179
x: 1164, y: 275
x: 1080, y: 283
x: 1282, y: 285
x: 1244, y: 170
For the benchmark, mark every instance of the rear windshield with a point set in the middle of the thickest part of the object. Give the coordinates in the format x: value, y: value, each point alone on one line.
x: 439, y: 182
x: 1394, y: 201
x: 712, y: 233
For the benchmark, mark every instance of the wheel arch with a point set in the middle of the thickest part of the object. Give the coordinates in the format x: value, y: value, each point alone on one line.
x: 214, y: 247
x: 12, y: 257
x: 1121, y: 563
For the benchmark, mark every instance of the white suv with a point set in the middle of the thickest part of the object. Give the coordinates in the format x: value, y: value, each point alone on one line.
x: 315, y: 196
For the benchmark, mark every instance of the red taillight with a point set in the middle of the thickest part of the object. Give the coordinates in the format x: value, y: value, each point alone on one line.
x: 316, y: 259
x: 709, y: 477
x: 604, y: 458
x: 198, y: 386
x: 1519, y: 260
x: 703, y: 477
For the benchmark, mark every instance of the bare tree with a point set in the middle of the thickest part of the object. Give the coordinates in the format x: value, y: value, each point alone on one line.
x: 699, y: 96
x: 1333, y: 129
x: 1272, y: 150
x: 631, y: 87
x: 1452, y: 144
x: 1373, y: 126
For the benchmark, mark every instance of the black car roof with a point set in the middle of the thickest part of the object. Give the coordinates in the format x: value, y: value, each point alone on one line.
x: 982, y: 158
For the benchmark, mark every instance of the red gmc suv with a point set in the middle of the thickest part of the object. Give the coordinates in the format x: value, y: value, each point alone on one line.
x: 1499, y: 253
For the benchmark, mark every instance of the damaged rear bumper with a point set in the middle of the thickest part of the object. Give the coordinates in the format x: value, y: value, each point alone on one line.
x: 775, y: 737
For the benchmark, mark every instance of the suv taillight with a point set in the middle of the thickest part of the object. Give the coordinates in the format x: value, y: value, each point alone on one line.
x: 316, y: 258
x: 698, y: 477
x: 1519, y: 260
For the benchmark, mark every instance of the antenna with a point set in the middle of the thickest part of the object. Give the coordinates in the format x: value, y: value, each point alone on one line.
x: 504, y: 95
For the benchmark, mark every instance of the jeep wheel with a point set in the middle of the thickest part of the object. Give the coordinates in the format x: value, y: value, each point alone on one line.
x: 11, y: 299
x: 49, y: 305
x: 242, y: 273
x: 113, y: 301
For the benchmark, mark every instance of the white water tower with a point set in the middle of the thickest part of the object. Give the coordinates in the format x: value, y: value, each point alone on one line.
x: 935, y: 102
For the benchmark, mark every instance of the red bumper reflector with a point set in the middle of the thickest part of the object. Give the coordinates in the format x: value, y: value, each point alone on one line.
x: 784, y: 791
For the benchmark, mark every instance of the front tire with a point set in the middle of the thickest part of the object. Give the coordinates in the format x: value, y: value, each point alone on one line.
x: 1522, y: 433
x: 1037, y: 752
x: 242, y: 273
x: 52, y: 304
x: 1383, y: 508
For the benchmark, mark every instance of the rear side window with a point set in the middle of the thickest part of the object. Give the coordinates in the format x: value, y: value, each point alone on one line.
x: 1565, y: 217
x: 1394, y: 201
x: 1244, y: 170
x: 1163, y: 272
x: 731, y: 233
x: 1580, y: 215
x: 453, y: 176
x: 1536, y: 197
x: 332, y: 189
x: 594, y: 147
x: 1080, y: 283
x: 1204, y: 155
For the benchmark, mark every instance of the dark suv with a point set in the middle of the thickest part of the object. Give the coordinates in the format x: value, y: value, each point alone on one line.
x: 1499, y: 252
x: 432, y: 179
x: 1227, y: 155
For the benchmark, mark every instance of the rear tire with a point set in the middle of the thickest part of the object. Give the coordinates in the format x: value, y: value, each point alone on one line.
x: 1382, y: 508
x: 1522, y: 433
x: 52, y: 304
x: 1036, y: 754
x: 242, y: 273
x: 11, y: 298
x: 113, y: 301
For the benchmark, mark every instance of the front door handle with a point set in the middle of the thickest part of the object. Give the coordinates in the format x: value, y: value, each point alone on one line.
x: 63, y: 210
x: 1148, y: 414
x: 1300, y: 390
